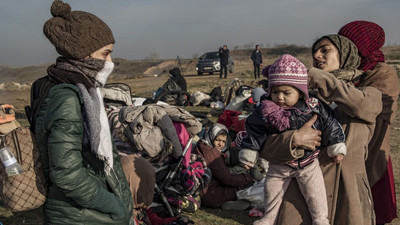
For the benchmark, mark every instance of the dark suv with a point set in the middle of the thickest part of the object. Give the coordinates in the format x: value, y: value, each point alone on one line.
x: 209, y: 63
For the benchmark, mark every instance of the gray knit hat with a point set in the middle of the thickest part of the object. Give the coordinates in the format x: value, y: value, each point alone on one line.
x: 76, y: 34
x: 248, y: 157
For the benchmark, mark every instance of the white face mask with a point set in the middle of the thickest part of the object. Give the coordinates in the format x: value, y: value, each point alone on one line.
x: 104, y: 73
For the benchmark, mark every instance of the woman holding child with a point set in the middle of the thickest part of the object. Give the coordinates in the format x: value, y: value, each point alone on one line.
x: 347, y: 190
x: 287, y: 105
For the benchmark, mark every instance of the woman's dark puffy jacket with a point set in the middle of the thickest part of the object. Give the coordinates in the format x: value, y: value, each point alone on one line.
x: 75, y: 177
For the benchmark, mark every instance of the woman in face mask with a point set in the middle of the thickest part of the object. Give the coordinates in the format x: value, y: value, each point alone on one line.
x: 86, y: 183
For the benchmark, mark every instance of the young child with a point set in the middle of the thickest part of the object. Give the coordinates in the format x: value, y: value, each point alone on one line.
x: 287, y: 106
x: 247, y: 160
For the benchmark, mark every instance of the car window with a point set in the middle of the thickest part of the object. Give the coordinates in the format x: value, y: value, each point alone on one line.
x: 211, y: 55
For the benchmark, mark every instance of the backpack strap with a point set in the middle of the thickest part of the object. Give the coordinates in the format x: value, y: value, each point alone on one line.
x: 18, y: 152
x: 39, y: 90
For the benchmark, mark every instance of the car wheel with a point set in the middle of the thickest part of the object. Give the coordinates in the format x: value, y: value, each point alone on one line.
x: 199, y: 73
x: 211, y: 73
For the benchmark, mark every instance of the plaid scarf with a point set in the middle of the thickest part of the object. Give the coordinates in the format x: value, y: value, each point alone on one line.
x: 369, y: 37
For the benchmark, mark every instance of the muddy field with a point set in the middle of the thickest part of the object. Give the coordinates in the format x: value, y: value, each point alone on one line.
x: 144, y: 87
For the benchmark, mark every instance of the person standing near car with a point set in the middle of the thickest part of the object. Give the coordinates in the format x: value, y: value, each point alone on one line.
x: 223, y: 57
x: 256, y: 57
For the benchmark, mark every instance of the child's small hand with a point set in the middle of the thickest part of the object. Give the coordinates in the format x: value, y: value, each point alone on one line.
x: 338, y: 158
x: 247, y: 167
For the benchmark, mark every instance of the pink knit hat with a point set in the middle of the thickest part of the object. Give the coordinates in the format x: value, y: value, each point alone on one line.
x: 287, y: 70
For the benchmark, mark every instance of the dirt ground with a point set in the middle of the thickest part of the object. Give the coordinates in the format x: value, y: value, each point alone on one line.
x: 144, y: 87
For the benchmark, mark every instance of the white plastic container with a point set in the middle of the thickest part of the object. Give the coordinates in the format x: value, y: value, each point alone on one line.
x: 10, y: 163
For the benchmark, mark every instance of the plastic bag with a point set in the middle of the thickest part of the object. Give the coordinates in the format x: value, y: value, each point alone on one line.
x: 254, y: 194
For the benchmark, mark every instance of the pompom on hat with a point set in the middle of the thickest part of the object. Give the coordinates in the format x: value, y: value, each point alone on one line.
x: 287, y: 70
x: 369, y: 37
x: 76, y: 34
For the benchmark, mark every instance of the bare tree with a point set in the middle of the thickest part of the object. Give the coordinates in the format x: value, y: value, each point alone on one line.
x: 249, y: 45
x: 153, y: 56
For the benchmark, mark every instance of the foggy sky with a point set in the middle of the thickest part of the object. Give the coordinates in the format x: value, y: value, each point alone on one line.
x: 187, y: 27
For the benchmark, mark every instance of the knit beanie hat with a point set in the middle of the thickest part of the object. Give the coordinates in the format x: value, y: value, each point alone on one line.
x: 369, y: 37
x: 248, y: 157
x: 287, y: 70
x: 256, y: 94
x: 76, y: 34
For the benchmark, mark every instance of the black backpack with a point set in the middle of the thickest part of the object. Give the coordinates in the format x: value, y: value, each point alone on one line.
x: 39, y: 90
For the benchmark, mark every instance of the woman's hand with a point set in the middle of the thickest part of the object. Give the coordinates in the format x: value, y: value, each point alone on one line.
x: 307, y: 137
x: 338, y: 158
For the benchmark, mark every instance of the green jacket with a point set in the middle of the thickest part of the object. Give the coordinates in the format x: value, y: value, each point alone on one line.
x: 79, y: 190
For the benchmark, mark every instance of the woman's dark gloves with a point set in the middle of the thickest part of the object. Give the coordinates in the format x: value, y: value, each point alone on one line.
x: 120, y: 210
x: 108, y: 202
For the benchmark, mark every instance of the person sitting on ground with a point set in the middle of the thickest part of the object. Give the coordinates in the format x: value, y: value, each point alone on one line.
x: 176, y: 76
x: 247, y: 164
x: 243, y: 161
x: 287, y: 105
x: 223, y: 185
